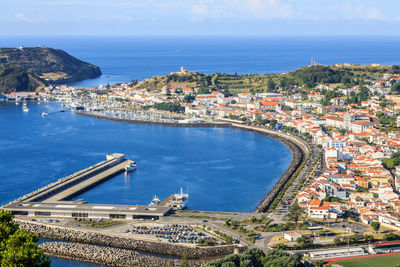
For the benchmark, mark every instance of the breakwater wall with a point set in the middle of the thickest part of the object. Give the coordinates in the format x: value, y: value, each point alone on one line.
x: 159, y: 123
x: 298, y: 148
x: 109, y: 256
x: 101, y: 255
x: 52, y: 185
x: 93, y: 237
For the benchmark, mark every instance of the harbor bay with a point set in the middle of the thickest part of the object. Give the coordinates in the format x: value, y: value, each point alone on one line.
x: 234, y: 175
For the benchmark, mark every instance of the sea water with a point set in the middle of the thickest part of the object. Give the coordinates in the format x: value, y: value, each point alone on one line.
x: 123, y: 58
x: 223, y: 169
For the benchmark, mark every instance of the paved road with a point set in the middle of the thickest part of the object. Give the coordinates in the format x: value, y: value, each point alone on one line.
x: 281, y: 213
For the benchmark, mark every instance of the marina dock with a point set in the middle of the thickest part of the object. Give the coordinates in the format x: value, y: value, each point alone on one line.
x: 54, y: 199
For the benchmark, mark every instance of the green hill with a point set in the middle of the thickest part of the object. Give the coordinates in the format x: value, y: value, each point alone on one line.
x: 14, y: 79
x: 307, y: 76
x: 27, y: 68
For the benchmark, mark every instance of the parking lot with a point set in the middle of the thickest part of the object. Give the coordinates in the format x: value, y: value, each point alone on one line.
x: 174, y: 233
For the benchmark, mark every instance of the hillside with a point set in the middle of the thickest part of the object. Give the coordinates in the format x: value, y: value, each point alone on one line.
x: 14, y: 79
x: 307, y: 76
x: 46, y: 64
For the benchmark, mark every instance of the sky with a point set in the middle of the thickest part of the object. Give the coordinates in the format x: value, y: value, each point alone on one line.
x: 199, y: 17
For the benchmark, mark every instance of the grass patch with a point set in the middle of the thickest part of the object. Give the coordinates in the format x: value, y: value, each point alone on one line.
x: 381, y: 261
x: 100, y: 224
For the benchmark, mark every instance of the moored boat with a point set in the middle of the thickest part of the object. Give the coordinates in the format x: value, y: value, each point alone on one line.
x: 25, y: 108
x: 130, y: 167
x: 179, y: 201
x: 155, y: 201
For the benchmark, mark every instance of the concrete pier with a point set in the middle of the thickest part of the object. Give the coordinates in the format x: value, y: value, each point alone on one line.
x: 53, y: 200
x: 88, y: 183
x: 81, y: 181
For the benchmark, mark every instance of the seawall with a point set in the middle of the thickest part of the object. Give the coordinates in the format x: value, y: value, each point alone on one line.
x: 102, y: 255
x: 298, y: 148
x: 88, y: 236
x: 159, y: 123
x: 299, y: 153
x: 109, y: 255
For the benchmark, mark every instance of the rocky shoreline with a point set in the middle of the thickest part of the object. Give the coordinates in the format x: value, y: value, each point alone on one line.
x: 298, y: 156
x: 93, y: 237
x: 106, y: 255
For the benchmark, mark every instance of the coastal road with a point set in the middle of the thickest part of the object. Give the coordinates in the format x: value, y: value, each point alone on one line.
x: 281, y: 212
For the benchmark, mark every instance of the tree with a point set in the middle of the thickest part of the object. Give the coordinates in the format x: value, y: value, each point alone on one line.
x: 395, y: 88
x: 203, y: 91
x: 319, y: 263
x: 283, y: 83
x: 337, y: 241
x: 228, y: 264
x: 270, y: 85
x: 21, y: 250
x: 368, y: 238
x: 256, y: 258
x: 185, y: 261
x: 227, y: 93
x: 134, y: 82
x: 17, y: 247
x: 375, y: 225
x: 303, y: 242
x: 391, y: 236
x: 295, y: 212
x: 188, y: 98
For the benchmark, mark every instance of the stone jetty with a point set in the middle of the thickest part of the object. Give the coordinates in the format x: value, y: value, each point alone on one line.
x: 130, y: 243
x: 106, y: 255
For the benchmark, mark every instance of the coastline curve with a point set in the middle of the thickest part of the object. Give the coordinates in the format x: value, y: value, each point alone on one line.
x: 298, y: 148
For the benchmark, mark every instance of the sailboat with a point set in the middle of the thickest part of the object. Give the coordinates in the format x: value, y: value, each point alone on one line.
x: 24, y: 107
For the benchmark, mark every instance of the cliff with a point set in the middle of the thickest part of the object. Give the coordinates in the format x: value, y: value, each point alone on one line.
x: 43, y: 64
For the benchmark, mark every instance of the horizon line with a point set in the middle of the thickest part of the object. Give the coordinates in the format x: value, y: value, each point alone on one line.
x: 199, y: 35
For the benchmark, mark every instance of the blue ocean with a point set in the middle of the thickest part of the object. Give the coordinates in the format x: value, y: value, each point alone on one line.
x: 122, y: 59
x: 223, y: 169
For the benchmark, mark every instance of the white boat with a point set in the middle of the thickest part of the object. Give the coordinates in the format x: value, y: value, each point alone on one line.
x: 24, y: 107
x: 179, y: 201
x: 155, y: 201
x: 130, y: 167
x: 44, y: 114
x: 76, y: 106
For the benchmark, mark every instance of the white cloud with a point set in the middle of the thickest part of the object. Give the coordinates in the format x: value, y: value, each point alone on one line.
x: 374, y: 13
x: 242, y: 9
x: 199, y: 9
x: 271, y: 9
x: 22, y: 17
x: 113, y: 17
x: 362, y: 12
